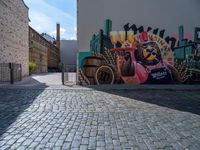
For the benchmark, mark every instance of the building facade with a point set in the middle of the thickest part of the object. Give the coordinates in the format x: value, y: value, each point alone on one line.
x: 38, y: 49
x: 137, y: 41
x: 14, y: 33
x: 53, y: 55
x: 166, y: 15
x: 43, y: 52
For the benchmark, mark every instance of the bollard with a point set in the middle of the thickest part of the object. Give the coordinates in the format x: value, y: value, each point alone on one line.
x: 11, y: 73
x: 63, y: 73
x: 20, y: 72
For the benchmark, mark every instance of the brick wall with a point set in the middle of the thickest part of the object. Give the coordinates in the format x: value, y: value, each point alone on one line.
x: 38, y: 47
x: 14, y: 33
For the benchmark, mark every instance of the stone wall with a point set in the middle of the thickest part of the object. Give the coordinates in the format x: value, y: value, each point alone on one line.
x: 14, y: 33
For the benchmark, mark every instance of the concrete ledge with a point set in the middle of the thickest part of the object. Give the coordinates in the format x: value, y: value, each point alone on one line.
x: 170, y: 87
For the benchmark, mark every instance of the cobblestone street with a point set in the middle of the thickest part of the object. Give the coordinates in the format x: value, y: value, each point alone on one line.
x: 89, y: 119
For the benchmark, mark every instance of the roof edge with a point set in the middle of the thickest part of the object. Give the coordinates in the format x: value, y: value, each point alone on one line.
x: 25, y: 4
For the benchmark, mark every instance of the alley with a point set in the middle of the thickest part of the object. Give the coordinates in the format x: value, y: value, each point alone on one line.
x: 90, y: 119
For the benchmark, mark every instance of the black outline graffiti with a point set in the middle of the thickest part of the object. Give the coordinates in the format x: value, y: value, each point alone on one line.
x: 170, y: 40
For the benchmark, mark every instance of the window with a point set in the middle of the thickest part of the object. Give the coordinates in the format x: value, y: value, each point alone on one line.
x: 40, y: 57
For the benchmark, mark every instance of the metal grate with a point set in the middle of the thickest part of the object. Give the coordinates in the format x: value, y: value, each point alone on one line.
x: 17, y: 72
x: 4, y: 72
x: 10, y: 72
x: 68, y: 74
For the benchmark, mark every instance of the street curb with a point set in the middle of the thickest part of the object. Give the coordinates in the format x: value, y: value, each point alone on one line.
x: 106, y: 87
x: 147, y: 87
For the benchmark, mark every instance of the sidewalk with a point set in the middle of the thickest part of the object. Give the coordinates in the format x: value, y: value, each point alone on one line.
x: 40, y: 113
x: 40, y: 81
x: 53, y: 81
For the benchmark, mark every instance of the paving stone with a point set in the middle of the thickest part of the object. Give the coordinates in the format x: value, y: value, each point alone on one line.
x: 15, y: 146
x: 109, y: 146
x: 116, y: 142
x: 123, y: 139
x: 22, y: 148
x: 76, y: 143
x: 22, y: 139
x: 11, y: 141
x: 66, y: 146
x: 83, y: 147
x: 59, y: 143
x: 70, y: 137
x: 85, y: 141
x: 100, y: 148
x: 40, y: 147
x: 49, y: 145
x: 89, y: 119
x: 117, y: 147
x: 34, y: 144
x: 27, y: 142
x: 101, y: 144
x: 92, y: 146
x: 38, y: 139
x: 57, y: 148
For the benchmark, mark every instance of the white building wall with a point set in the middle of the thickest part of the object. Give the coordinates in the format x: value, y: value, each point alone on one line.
x: 162, y: 14
x: 68, y: 52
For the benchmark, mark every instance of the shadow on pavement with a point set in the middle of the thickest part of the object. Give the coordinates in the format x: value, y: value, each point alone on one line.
x: 13, y: 102
x: 182, y: 98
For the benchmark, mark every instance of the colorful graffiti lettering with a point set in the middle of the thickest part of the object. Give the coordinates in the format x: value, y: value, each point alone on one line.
x: 170, y: 40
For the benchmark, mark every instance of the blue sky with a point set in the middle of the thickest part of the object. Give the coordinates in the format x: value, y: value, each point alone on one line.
x: 44, y: 14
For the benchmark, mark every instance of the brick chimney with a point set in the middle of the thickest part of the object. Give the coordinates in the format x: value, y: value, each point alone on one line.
x: 58, y: 35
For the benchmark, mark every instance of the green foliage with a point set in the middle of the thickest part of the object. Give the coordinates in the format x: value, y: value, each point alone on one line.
x: 32, y: 67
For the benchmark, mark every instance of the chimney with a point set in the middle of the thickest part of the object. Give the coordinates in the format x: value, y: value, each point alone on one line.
x: 58, y: 35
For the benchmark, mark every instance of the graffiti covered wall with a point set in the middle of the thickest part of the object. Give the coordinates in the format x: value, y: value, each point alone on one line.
x: 139, y: 56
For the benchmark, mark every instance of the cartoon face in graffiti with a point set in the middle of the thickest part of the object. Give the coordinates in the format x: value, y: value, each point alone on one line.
x: 149, y: 53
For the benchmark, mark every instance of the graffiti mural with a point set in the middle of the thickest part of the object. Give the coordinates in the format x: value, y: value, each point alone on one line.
x: 138, y: 56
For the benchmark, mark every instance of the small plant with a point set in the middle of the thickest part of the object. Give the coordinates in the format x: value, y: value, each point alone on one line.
x: 32, y: 67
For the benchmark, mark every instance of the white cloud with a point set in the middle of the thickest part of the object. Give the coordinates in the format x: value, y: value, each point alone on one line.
x: 44, y: 18
x: 75, y: 29
x: 72, y: 38
x: 38, y: 28
x: 62, y: 32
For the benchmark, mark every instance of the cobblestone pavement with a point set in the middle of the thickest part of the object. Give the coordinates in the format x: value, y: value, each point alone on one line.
x: 44, y: 80
x: 89, y: 119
